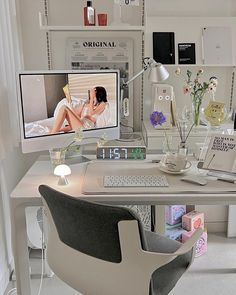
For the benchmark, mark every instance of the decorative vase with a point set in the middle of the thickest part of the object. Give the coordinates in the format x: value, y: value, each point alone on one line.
x: 196, y: 105
x: 216, y: 113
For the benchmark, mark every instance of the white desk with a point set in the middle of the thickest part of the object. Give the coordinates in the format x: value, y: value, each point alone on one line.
x: 26, y: 194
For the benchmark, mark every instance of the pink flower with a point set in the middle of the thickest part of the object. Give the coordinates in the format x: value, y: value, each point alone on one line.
x: 187, y: 89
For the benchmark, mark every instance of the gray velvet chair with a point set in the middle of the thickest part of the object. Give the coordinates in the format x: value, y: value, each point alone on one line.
x: 103, y: 250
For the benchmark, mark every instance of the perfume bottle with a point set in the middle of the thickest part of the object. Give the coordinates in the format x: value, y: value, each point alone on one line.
x: 89, y: 15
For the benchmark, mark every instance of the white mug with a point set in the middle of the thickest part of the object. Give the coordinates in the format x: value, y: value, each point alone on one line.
x: 175, y: 162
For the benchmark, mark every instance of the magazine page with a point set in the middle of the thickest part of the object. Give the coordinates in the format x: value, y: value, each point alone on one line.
x: 221, y: 154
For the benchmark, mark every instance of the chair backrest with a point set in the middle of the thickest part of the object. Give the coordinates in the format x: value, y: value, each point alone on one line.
x: 88, y: 227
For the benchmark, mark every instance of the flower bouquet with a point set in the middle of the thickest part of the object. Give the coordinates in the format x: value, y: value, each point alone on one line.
x: 197, y: 89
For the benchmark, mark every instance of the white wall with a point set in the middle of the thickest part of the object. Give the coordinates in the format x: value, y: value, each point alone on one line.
x: 186, y: 17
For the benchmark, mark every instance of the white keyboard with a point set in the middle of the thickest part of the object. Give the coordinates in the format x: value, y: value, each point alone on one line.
x: 135, y: 181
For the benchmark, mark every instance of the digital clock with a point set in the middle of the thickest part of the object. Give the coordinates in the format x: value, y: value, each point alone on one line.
x: 121, y: 152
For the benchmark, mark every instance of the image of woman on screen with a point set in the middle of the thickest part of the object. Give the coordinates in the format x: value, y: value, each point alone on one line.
x: 85, y: 116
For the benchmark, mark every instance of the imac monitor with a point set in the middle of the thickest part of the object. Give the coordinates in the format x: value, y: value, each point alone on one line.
x: 53, y: 104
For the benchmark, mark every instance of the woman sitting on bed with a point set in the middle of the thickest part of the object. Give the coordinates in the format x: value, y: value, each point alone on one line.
x: 85, y: 116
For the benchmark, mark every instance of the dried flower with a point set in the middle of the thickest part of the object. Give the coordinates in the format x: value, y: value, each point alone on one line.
x: 74, y: 146
x: 177, y: 72
x: 157, y: 118
x: 102, y: 140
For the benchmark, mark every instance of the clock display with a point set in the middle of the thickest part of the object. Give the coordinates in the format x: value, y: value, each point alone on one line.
x: 121, y: 153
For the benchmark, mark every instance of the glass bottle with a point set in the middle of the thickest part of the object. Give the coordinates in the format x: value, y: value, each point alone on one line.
x: 89, y: 15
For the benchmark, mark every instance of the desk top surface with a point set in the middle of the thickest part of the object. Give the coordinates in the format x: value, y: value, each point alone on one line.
x: 85, y: 182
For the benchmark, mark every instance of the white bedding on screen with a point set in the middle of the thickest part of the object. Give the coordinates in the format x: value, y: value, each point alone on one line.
x: 43, y: 127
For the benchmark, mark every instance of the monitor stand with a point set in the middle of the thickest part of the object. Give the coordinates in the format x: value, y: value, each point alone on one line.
x: 130, y: 137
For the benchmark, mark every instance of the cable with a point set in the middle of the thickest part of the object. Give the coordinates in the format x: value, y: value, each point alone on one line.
x: 42, y: 259
x: 12, y: 291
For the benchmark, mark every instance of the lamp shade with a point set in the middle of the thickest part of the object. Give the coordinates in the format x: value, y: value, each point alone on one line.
x: 158, y: 73
x: 62, y: 170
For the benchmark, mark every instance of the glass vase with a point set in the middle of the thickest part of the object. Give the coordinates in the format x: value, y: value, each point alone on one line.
x: 196, y: 106
x: 196, y: 112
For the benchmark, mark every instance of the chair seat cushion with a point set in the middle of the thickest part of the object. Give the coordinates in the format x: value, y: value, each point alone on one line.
x: 165, y: 278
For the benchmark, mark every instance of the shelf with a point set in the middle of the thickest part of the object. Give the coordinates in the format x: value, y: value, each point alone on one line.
x: 123, y: 27
x: 199, y: 65
x: 92, y: 28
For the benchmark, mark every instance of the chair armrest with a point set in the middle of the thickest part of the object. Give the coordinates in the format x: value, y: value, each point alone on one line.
x: 184, y: 248
x: 189, y: 244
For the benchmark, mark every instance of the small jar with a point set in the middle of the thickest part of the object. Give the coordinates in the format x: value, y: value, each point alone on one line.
x: 183, y: 149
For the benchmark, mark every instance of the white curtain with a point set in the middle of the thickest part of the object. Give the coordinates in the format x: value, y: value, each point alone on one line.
x: 10, y: 64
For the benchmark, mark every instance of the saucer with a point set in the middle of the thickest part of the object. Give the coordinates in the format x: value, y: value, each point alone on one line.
x: 164, y: 169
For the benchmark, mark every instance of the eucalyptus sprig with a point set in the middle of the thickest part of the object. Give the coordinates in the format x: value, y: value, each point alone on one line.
x: 74, y: 145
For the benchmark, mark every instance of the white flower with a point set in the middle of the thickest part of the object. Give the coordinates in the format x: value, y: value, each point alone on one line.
x: 177, y: 71
x: 212, y: 88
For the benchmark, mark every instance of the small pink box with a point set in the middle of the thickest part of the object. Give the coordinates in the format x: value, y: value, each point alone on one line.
x: 175, y: 233
x: 174, y: 213
x: 193, y: 220
x: 201, y: 246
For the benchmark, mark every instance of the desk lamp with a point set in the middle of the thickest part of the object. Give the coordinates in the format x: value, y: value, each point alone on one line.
x: 62, y: 171
x: 157, y: 73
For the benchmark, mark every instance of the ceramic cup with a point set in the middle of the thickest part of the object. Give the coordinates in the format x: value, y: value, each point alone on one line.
x: 102, y: 19
x: 175, y: 162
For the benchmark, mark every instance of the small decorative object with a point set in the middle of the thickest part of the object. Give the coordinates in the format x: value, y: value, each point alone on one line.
x: 62, y: 171
x: 117, y: 10
x: 157, y: 119
x: 89, y: 15
x: 215, y: 113
x: 197, y: 90
x: 201, y: 246
x: 184, y: 133
x: 174, y: 213
x: 102, y: 19
x: 193, y: 220
x: 175, y: 233
x: 57, y: 156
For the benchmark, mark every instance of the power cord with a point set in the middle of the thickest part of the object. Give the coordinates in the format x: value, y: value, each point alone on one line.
x: 42, y: 258
x: 14, y: 290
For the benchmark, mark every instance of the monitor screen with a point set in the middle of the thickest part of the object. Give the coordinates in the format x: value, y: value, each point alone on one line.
x: 54, y: 104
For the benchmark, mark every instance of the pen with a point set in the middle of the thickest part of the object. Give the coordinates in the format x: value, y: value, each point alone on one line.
x: 227, y: 180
